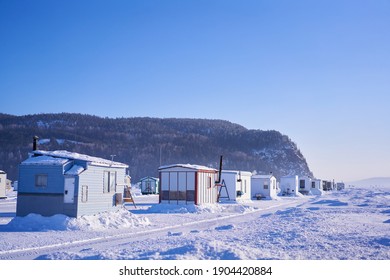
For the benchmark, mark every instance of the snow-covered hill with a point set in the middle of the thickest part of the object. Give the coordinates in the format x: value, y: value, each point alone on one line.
x: 349, y: 224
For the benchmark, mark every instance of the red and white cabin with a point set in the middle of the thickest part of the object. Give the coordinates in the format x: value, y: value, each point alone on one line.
x: 188, y: 184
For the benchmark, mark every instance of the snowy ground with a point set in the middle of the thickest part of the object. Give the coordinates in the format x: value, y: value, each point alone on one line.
x: 350, y: 224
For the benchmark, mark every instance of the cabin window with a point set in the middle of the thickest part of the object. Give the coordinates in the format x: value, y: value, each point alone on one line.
x: 302, y: 184
x: 109, y: 181
x: 313, y: 184
x: 41, y: 180
x: 265, y: 186
x: 84, y: 193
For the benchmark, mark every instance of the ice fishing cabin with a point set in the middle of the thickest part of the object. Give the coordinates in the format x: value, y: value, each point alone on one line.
x: 3, y: 184
x: 305, y: 185
x: 316, y: 187
x: 149, y: 185
x: 264, y: 186
x: 289, y: 185
x: 237, y: 183
x: 327, y: 185
x: 62, y: 182
x: 188, y: 184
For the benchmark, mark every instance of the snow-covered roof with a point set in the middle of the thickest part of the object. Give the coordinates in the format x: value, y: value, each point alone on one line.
x: 148, y: 177
x: 75, y: 170
x: 237, y: 172
x: 267, y: 176
x: 2, y: 172
x: 65, y: 155
x: 188, y: 166
x: 45, y: 160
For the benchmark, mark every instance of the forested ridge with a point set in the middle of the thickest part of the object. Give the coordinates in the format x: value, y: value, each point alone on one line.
x: 146, y: 143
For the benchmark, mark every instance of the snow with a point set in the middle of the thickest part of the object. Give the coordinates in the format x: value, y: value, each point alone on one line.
x: 76, y: 156
x: 75, y: 170
x: 189, y: 166
x: 352, y: 224
x: 45, y: 160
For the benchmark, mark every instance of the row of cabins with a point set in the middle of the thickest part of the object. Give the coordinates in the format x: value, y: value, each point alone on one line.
x: 61, y: 182
x: 186, y: 183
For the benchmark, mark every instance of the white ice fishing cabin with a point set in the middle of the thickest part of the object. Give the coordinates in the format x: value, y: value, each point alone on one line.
x: 305, y: 184
x: 289, y: 185
x: 264, y: 186
x: 238, y: 185
x: 3, y: 183
x: 188, y: 184
x: 62, y: 182
x: 316, y: 187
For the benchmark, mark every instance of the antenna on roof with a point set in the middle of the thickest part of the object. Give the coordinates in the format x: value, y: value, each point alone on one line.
x: 112, y: 158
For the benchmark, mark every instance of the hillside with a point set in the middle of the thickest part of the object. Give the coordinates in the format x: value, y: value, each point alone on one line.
x: 146, y: 143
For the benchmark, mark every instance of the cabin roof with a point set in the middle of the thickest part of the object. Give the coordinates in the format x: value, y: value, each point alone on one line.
x: 44, y: 160
x: 189, y: 166
x: 267, y: 176
x: 75, y: 170
x: 148, y: 177
x: 61, y: 157
x: 238, y: 172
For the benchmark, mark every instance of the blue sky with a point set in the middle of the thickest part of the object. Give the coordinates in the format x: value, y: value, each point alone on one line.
x: 317, y: 71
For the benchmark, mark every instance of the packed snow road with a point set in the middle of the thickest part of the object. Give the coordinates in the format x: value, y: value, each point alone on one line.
x: 351, y: 224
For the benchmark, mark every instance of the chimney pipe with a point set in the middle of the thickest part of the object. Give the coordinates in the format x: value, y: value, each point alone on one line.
x: 35, y: 143
x: 220, y: 171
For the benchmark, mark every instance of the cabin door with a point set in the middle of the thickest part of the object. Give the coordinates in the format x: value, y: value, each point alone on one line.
x: 69, y: 190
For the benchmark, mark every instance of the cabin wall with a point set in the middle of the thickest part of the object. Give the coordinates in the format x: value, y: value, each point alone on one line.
x: 289, y: 185
x: 264, y: 186
x: 206, y: 191
x: 44, y: 200
x: 245, y: 186
x: 316, y: 187
x: 305, y: 185
x: 92, y: 197
x: 236, y: 182
x: 3, y: 184
x: 177, y: 186
x: 231, y: 184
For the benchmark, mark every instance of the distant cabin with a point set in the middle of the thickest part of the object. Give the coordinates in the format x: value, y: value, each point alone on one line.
x: 305, y: 185
x: 187, y: 184
x: 149, y: 185
x: 264, y: 186
x: 316, y: 187
x: 327, y: 185
x: 62, y: 182
x: 238, y: 185
x: 3, y: 184
x: 289, y: 185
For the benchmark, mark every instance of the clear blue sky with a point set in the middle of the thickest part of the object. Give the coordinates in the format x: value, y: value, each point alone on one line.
x: 317, y: 71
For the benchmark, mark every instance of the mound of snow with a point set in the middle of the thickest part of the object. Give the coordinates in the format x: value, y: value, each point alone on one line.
x: 121, y: 218
x: 199, y: 209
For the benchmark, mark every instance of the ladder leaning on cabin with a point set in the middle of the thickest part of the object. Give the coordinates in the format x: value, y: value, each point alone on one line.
x: 127, y: 197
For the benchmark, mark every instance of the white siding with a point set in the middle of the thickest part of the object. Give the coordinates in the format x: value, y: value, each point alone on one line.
x: 237, y: 181
x: 97, y: 200
x: 289, y: 185
x: 3, y: 183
